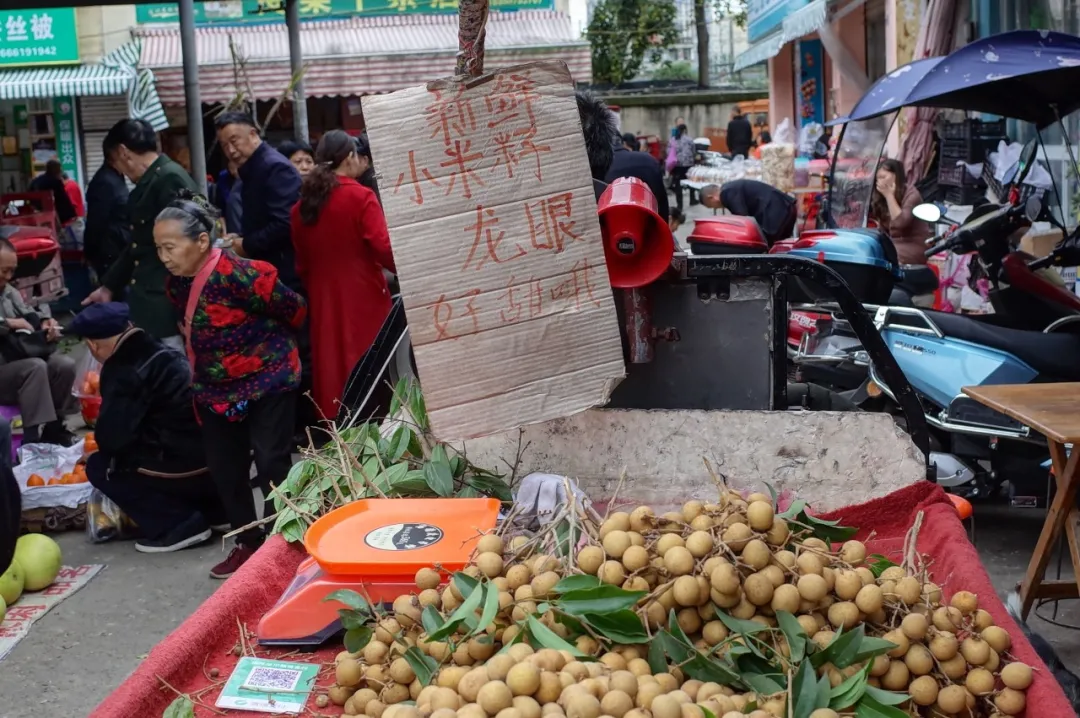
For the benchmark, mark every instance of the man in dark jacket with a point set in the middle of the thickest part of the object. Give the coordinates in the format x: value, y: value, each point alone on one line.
x: 150, y: 461
x: 740, y: 135
x: 108, y: 226
x: 625, y: 163
x: 52, y: 180
x: 775, y: 212
x: 132, y: 148
x: 271, y: 186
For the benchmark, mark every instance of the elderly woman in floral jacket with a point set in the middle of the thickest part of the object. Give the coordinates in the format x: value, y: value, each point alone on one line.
x: 240, y: 325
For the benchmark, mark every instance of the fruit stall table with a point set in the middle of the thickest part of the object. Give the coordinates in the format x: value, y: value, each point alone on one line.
x: 1049, y: 409
x: 201, y: 652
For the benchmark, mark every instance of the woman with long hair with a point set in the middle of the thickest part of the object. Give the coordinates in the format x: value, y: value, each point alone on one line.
x: 342, y: 246
x: 892, y: 207
x: 684, y: 160
x: 239, y: 326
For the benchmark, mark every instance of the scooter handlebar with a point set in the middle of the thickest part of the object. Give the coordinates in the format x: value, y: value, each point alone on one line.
x: 939, y: 247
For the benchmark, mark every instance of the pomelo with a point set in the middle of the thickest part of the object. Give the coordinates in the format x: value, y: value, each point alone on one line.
x: 11, y: 583
x: 3, y: 610
x: 40, y: 557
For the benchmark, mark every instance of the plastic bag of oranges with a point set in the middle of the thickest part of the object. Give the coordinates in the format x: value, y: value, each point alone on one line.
x: 87, y: 388
x: 105, y: 521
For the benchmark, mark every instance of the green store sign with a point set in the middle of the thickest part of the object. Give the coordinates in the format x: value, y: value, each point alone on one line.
x: 38, y: 37
x: 244, y: 11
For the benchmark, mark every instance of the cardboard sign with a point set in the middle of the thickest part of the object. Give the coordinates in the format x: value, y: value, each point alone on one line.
x: 487, y: 193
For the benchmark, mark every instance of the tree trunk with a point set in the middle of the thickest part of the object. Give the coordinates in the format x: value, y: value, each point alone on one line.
x: 472, y: 19
x: 702, y: 43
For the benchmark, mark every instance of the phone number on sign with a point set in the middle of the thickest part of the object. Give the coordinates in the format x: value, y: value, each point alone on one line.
x: 49, y: 51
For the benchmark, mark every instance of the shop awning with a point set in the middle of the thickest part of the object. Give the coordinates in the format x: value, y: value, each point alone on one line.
x: 78, y: 80
x: 353, y: 56
x: 760, y: 52
x: 806, y: 20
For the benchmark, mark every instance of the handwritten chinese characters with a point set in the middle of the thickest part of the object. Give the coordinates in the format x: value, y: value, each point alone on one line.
x: 492, y: 219
x: 29, y: 37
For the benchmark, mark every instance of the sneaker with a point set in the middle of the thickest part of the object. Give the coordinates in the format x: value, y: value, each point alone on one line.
x: 221, y: 528
x: 192, y: 532
x: 232, y: 563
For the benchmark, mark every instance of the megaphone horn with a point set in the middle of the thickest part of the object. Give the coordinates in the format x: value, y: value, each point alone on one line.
x: 638, y: 244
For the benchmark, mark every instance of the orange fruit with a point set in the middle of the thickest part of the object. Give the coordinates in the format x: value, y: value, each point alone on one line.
x: 68, y: 478
x: 54, y: 481
x: 90, y: 436
x: 35, y: 480
x: 90, y: 446
x: 81, y: 478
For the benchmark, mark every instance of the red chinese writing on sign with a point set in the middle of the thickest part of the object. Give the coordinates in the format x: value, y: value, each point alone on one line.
x: 73, y: 572
x: 527, y: 303
x: 456, y: 316
x: 550, y: 222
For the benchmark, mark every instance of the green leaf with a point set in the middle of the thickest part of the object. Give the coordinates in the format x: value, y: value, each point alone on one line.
x: 439, y: 479
x: 870, y: 708
x: 676, y: 630
x: 182, y: 707
x: 465, y: 583
x: 878, y: 564
x: 292, y: 529
x: 676, y: 646
x: 351, y: 619
x: 547, y: 638
x: 458, y: 466
x: 465, y: 613
x: 621, y: 626
x: 706, y: 712
x: 886, y: 698
x: 601, y: 599
x: 824, y: 690
x: 357, y: 638
x: 804, y: 692
x: 844, y: 644
x: 765, y: 684
x: 399, y: 443
x: 773, y: 494
x: 657, y: 658
x: 579, y: 582
x: 871, y: 647
x: 796, y: 508
x: 739, y: 626
x: 431, y: 619
x: 490, y: 486
x: 417, y: 408
x: 491, y: 606
x: 352, y: 599
x: 794, y: 633
x: 423, y: 666
x: 851, y: 691
x: 468, y: 492
x: 401, y: 390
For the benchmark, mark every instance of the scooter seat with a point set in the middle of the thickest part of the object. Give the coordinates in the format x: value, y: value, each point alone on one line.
x: 1052, y: 355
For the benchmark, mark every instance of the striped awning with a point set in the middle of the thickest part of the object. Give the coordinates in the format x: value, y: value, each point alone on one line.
x: 353, y: 56
x: 143, y: 100
x: 78, y: 80
x: 806, y: 20
x: 760, y: 51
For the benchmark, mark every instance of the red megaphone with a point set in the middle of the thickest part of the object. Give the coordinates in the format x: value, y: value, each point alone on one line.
x: 638, y: 244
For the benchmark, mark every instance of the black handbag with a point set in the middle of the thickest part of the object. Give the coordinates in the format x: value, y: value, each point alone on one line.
x: 17, y: 345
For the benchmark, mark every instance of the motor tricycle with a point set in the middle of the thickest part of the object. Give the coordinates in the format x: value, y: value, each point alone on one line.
x: 1033, y: 334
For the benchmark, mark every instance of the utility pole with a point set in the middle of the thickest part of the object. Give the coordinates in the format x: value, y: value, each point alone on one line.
x: 296, y: 66
x: 196, y: 140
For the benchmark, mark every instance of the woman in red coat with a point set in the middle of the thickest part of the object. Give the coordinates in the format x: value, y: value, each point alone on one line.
x: 342, y: 246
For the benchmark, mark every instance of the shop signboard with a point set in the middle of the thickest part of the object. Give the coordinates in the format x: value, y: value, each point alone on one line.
x: 811, y: 82
x: 246, y: 11
x: 64, y: 120
x: 38, y: 37
x: 764, y: 17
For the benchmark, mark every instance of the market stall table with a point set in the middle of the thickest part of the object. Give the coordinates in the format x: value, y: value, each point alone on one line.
x: 1049, y: 409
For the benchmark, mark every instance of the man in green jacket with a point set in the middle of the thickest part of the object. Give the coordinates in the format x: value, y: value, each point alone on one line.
x: 131, y: 145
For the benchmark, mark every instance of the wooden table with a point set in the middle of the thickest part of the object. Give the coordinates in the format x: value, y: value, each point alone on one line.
x: 1054, y: 411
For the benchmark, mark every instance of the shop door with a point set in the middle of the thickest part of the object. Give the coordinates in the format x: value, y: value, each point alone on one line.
x: 97, y: 115
x: 876, y: 65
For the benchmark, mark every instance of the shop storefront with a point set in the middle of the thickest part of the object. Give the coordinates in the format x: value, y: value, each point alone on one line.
x: 50, y: 102
x: 819, y: 53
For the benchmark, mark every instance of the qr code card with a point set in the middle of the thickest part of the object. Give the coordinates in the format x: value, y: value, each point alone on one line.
x: 266, y: 686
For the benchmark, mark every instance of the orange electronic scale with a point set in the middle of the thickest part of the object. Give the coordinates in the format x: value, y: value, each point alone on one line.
x: 373, y: 547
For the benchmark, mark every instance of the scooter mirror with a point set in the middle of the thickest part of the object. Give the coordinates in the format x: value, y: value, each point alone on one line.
x: 1033, y: 208
x: 927, y: 212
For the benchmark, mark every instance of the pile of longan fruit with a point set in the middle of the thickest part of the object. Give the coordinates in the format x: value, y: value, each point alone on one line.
x: 734, y: 555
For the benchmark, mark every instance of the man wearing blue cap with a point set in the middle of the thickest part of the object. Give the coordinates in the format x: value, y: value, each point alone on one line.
x: 151, y: 461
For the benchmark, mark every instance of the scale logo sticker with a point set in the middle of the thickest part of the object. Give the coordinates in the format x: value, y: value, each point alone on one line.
x: 404, y: 537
